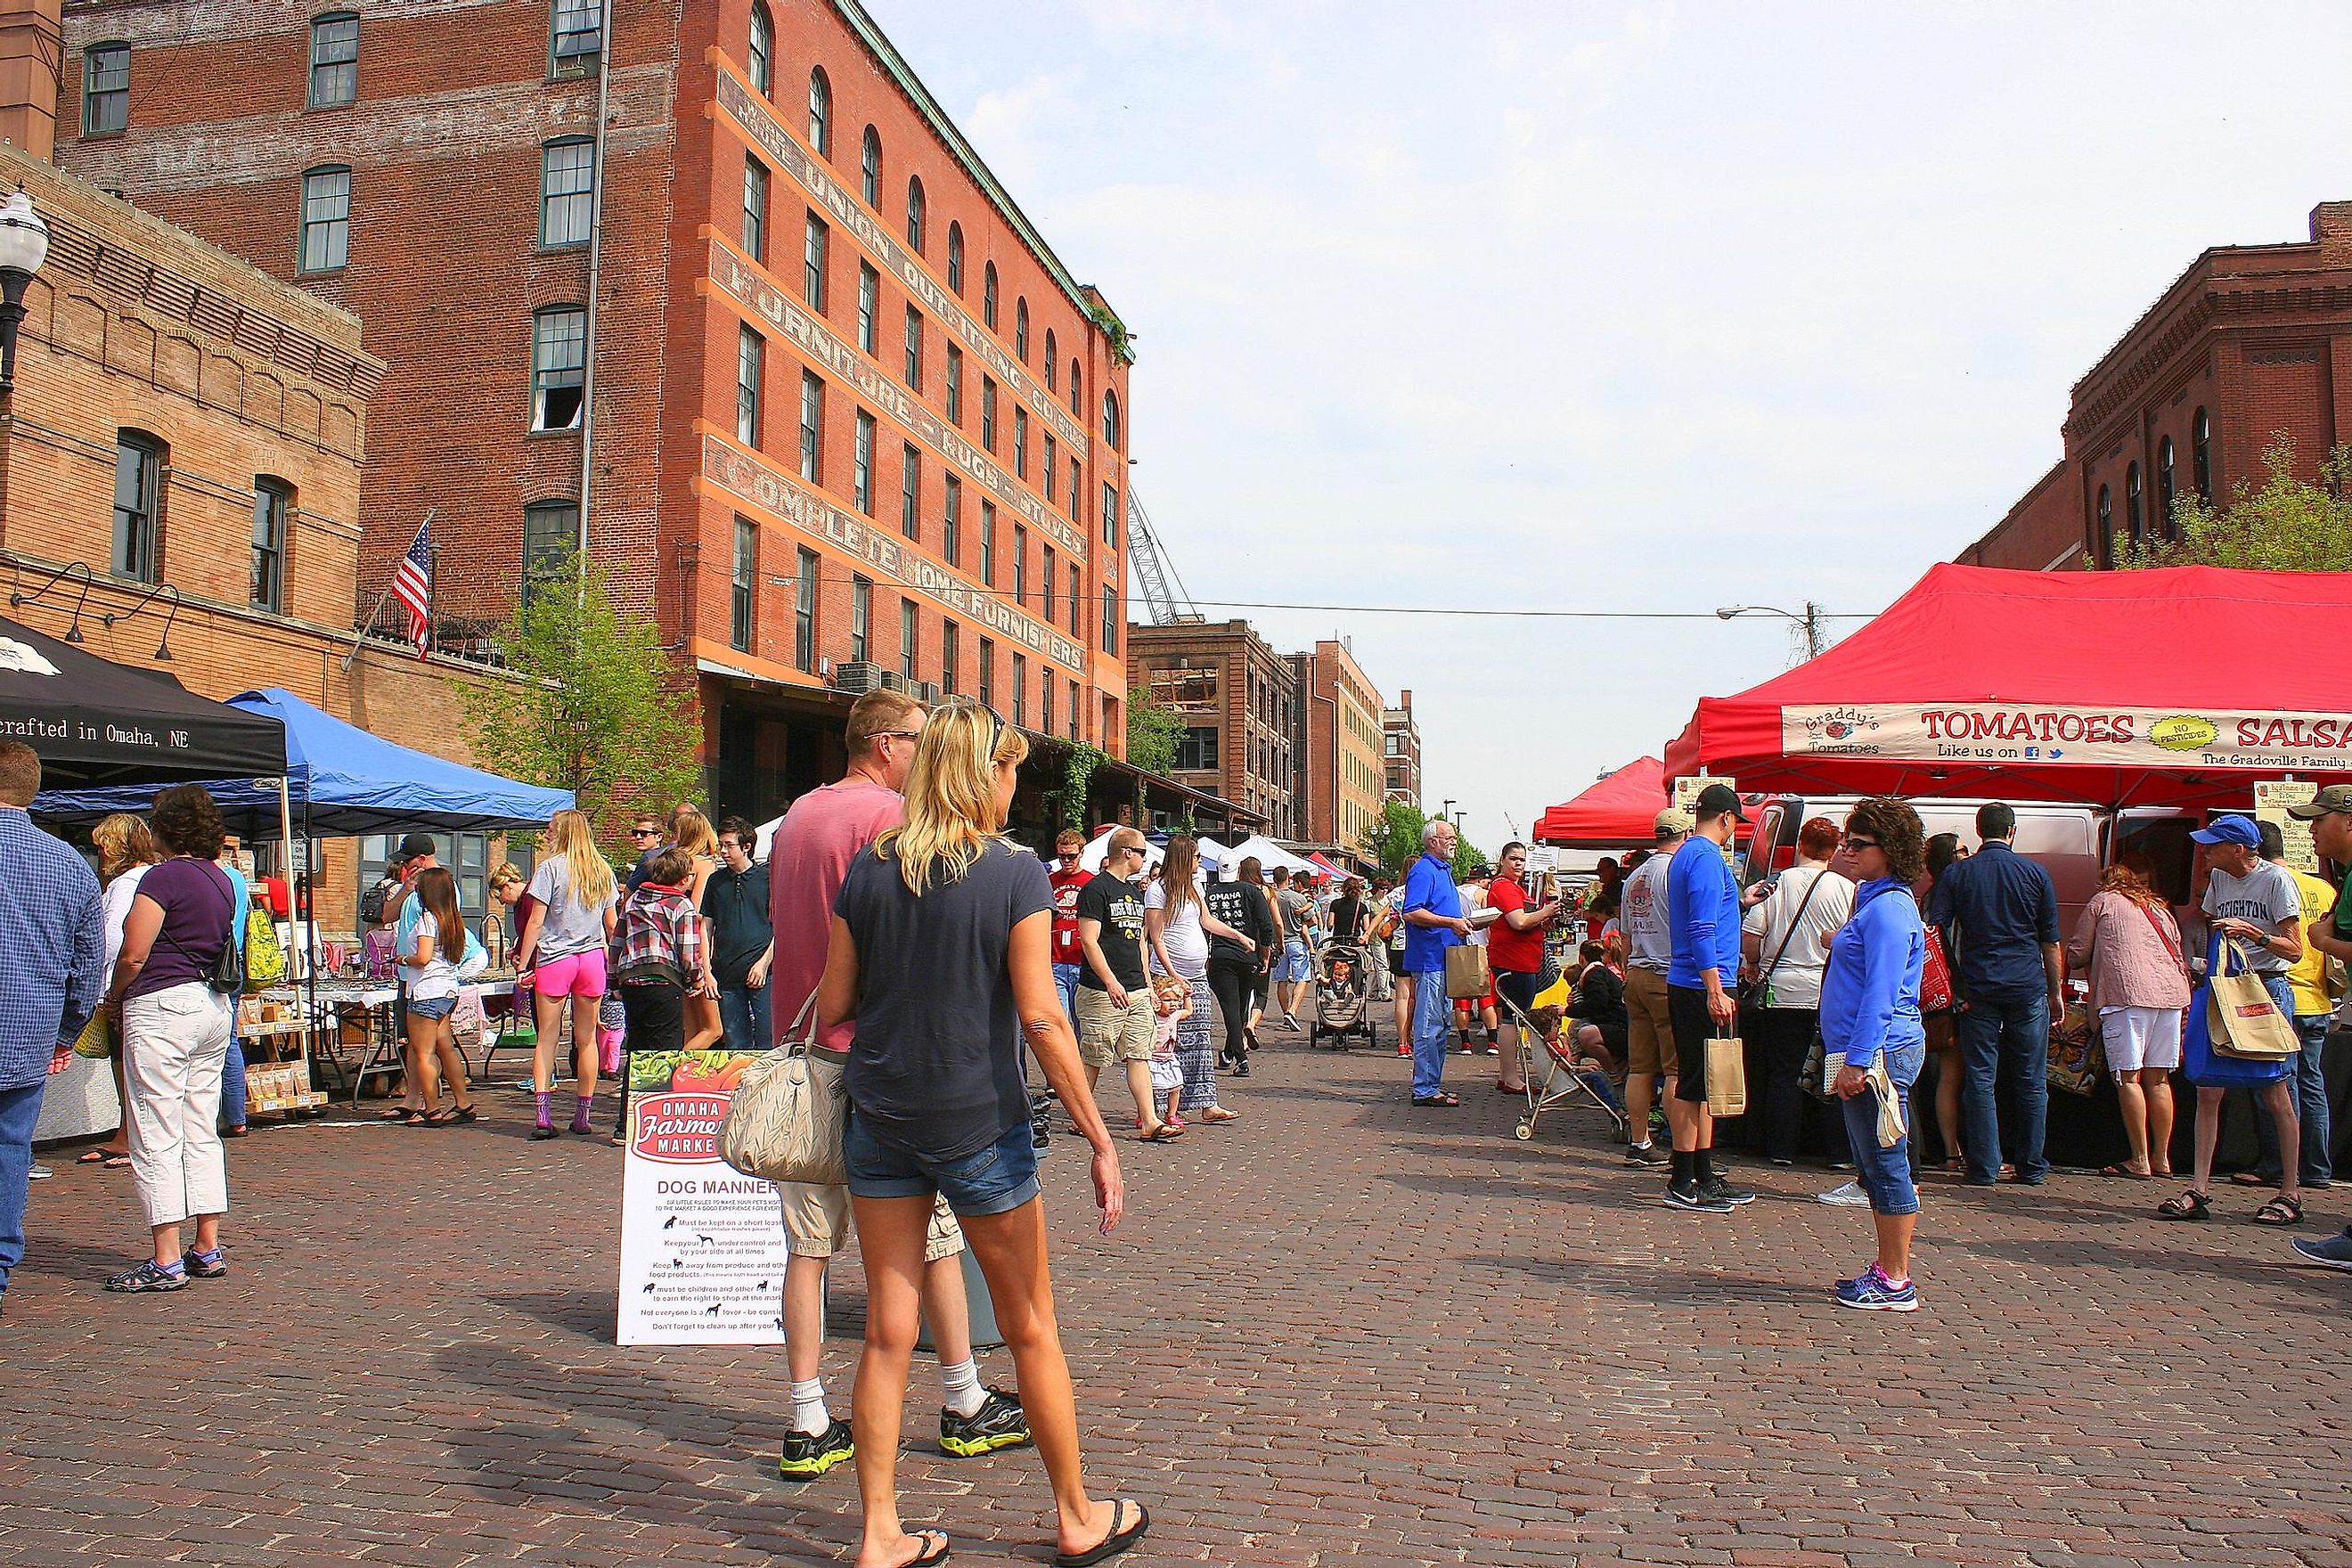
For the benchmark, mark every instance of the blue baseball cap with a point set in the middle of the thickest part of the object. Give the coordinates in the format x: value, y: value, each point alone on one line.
x: 2231, y: 829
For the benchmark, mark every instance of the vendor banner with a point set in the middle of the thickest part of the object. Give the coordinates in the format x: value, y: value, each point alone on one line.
x: 702, y: 1245
x: 2030, y: 733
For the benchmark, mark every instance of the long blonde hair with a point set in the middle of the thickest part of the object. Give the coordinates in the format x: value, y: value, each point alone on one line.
x: 588, y: 876
x: 1181, y: 857
x: 691, y: 831
x: 952, y: 806
x: 123, y: 842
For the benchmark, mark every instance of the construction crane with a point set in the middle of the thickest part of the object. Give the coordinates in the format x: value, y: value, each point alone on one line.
x: 1163, y: 592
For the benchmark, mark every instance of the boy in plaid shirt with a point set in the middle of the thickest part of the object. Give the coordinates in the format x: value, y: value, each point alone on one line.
x: 660, y: 954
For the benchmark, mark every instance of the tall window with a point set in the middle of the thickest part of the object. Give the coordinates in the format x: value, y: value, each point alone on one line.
x: 2104, y: 545
x: 988, y: 411
x: 1110, y: 619
x: 1051, y: 465
x: 955, y: 256
x: 813, y: 242
x: 914, y: 349
x: 2164, y: 489
x: 1077, y: 603
x: 105, y: 89
x: 2132, y: 525
x: 1051, y: 374
x: 952, y: 523
x: 869, y: 305
x: 1048, y: 575
x: 987, y: 673
x: 811, y: 426
x: 955, y: 384
x: 1110, y: 420
x: 2200, y: 456
x: 1045, y: 701
x: 988, y: 545
x: 751, y: 361
x: 1020, y: 565
x: 762, y: 48
x: 326, y: 218
x: 742, y: 586
x: 1020, y: 327
x: 334, y: 59
x: 1073, y: 489
x: 138, y: 496
x: 578, y: 37
x: 950, y: 636
x: 1071, y: 714
x: 1075, y: 413
x: 273, y: 504
x: 755, y: 209
x: 1020, y: 689
x: 558, y: 360
x: 861, y: 618
x: 915, y: 215
x: 1110, y: 515
x: 551, y: 537
x: 870, y: 167
x: 567, y: 188
x: 907, y: 639
x: 820, y: 113
x: 1020, y: 442
x: 988, y: 296
x: 910, y: 492
x: 804, y: 612
x: 863, y: 468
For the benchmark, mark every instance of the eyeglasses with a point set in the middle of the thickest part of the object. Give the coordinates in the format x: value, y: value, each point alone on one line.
x: 645, y: 832
x: 1860, y: 841
x: 897, y: 734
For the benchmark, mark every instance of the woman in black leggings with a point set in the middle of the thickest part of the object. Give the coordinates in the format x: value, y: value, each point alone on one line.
x: 1235, y: 971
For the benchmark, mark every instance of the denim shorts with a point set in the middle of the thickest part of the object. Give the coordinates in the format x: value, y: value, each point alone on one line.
x: 433, y: 1007
x: 1295, y: 963
x: 996, y: 1179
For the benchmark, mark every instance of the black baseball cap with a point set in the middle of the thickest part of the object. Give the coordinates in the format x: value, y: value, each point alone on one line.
x: 1716, y: 800
x: 412, y: 845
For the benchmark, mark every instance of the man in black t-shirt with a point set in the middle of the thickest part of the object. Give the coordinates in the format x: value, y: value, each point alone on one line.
x: 1115, y: 1011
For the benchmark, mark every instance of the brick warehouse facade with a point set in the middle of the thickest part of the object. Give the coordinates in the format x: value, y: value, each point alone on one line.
x: 1238, y: 699
x: 1340, y: 780
x: 848, y: 420
x: 2252, y: 342
x: 1401, y: 750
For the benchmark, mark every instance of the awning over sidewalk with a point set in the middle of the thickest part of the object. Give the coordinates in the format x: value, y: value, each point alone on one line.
x: 1619, y: 812
x: 2180, y: 687
x: 93, y: 722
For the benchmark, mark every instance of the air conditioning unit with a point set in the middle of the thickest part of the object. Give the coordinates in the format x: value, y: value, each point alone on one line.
x: 894, y: 681
x: 927, y: 692
x: 857, y: 677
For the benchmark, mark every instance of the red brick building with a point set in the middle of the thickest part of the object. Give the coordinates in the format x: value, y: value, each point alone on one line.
x: 776, y: 347
x: 2252, y: 342
x: 1238, y: 699
x: 1338, y: 748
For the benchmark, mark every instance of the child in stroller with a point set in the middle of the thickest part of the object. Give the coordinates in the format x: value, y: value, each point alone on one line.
x: 1343, y: 995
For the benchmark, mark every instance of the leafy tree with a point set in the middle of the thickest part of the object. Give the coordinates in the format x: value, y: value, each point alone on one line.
x: 1466, y: 857
x: 2286, y: 525
x: 1153, y: 732
x: 1394, y: 838
x: 592, y: 709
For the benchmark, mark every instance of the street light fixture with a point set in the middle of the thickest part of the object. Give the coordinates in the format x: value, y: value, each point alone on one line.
x: 1810, y: 621
x: 24, y: 246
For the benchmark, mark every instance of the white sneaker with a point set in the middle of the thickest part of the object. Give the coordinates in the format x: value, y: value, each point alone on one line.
x: 1849, y: 1196
x: 38, y: 1173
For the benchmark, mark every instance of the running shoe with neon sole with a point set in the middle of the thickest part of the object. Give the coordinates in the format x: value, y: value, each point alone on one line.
x: 1872, y: 1291
x: 2336, y: 1252
x: 808, y: 1454
x: 999, y: 1423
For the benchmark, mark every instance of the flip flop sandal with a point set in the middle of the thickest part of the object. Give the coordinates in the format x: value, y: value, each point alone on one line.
x: 2280, y: 1211
x: 934, y: 1548
x: 2127, y: 1172
x: 1437, y: 1100
x: 94, y: 1157
x: 1163, y: 1133
x: 2248, y: 1179
x: 1219, y: 1113
x: 2190, y: 1204
x: 117, y: 1161
x: 1111, y: 1545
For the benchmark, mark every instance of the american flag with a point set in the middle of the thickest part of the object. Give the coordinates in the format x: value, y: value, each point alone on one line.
x: 412, y: 585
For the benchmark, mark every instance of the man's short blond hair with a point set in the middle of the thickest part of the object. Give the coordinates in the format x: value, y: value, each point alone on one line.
x: 876, y: 714
x: 1069, y: 838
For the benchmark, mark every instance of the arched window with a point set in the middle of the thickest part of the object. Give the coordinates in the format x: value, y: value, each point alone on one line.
x: 762, y: 49
x: 1075, y: 412
x: 2164, y: 524
x: 1053, y: 375
x: 2200, y: 456
x: 2103, y: 546
x: 1020, y: 327
x: 988, y: 296
x: 1110, y: 420
x: 955, y: 256
x: 2133, y: 528
x: 915, y: 215
x: 820, y: 113
x: 869, y: 164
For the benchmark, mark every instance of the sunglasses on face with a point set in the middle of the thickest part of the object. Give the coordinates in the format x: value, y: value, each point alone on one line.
x: 1860, y: 841
x: 645, y: 832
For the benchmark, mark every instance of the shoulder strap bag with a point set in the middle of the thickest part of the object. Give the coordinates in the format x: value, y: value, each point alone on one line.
x: 788, y: 1114
x: 1764, y: 981
x: 2165, y: 937
x: 226, y: 976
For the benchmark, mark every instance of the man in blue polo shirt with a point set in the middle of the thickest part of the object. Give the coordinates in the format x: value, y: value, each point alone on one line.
x: 1432, y: 923
x: 1703, y: 919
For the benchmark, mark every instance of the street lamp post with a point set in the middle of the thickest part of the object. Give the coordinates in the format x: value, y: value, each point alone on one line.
x: 24, y: 246
x: 1810, y: 621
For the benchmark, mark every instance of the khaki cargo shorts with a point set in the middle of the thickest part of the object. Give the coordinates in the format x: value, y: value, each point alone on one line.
x: 1109, y: 1033
x: 1649, y: 1027
x: 816, y: 1222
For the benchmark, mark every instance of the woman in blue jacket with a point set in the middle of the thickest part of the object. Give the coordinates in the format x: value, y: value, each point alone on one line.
x: 1870, y: 1013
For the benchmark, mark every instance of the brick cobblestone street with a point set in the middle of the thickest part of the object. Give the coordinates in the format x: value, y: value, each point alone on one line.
x: 1341, y: 1330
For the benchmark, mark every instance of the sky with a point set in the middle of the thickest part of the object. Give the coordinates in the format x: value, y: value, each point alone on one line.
x: 1646, y: 307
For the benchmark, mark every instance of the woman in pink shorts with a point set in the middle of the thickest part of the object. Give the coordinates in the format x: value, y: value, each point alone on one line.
x: 562, y: 955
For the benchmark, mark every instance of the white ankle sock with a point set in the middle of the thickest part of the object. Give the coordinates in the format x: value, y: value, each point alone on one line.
x: 810, y: 1413
x: 959, y: 1388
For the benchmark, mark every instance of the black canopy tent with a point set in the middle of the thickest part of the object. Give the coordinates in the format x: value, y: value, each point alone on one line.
x: 94, y: 722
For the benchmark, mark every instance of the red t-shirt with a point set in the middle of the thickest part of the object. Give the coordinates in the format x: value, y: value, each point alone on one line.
x: 1512, y: 952
x: 807, y: 862
x: 1067, y: 949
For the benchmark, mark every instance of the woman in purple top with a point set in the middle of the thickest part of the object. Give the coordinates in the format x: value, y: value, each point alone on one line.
x: 175, y: 1039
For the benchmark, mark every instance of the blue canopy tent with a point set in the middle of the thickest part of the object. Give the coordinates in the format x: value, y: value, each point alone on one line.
x: 340, y: 780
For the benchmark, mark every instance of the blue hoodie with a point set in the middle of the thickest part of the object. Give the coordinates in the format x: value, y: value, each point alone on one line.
x: 1702, y: 915
x: 1870, y: 989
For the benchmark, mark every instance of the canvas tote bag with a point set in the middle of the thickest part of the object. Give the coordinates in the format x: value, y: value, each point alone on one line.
x: 789, y: 1112
x: 2243, y: 1019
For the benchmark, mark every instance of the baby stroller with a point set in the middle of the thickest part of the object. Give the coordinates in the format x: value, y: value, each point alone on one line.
x: 1343, y: 998
x: 1564, y: 1079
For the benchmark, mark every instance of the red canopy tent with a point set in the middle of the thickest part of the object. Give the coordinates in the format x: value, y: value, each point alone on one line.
x: 1619, y: 812
x: 2179, y: 687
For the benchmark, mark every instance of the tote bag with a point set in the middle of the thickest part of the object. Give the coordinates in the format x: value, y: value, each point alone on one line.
x: 1468, y: 976
x: 1726, y: 1076
x: 2243, y: 1019
x: 2207, y: 1069
x: 789, y: 1112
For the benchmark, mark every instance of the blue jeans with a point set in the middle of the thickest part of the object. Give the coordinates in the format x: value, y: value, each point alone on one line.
x: 19, y: 1108
x: 744, y: 1014
x: 1885, y: 1174
x: 2006, y: 1036
x: 233, y: 1083
x: 2311, y: 1109
x: 1066, y: 981
x: 1432, y: 1016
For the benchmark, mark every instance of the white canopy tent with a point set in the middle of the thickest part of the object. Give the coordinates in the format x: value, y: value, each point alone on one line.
x: 1268, y: 855
x: 1091, y: 858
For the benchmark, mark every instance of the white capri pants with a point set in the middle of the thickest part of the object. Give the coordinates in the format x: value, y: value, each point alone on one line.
x: 2138, y: 1037
x: 175, y: 1042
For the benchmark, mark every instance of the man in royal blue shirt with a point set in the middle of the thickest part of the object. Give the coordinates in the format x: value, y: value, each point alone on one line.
x: 1703, y: 916
x: 1432, y: 923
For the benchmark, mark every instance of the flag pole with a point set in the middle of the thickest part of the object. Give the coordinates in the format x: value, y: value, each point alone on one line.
x: 360, y: 634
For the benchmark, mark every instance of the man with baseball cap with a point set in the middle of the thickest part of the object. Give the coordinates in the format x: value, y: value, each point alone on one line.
x: 2330, y: 815
x: 1649, y: 950
x: 1703, y: 915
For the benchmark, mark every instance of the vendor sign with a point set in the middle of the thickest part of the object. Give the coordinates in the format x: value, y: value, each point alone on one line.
x: 702, y: 1245
x: 2026, y: 734
x: 2271, y: 799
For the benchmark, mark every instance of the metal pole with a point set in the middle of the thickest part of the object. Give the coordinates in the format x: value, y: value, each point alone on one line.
x: 595, y: 267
